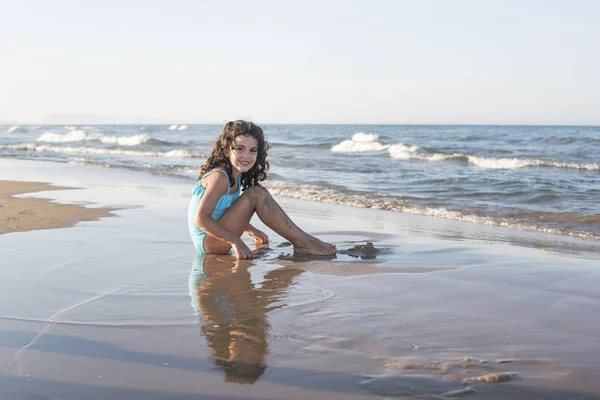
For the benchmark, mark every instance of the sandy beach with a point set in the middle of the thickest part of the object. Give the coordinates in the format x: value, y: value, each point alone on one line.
x: 103, y: 296
x: 25, y: 214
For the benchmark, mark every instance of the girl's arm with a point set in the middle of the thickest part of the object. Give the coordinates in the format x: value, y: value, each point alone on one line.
x: 217, y: 185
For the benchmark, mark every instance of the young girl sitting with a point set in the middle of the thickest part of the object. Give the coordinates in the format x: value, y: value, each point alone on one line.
x: 219, y: 214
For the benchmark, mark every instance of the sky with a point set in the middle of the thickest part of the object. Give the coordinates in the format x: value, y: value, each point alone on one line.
x: 327, y: 61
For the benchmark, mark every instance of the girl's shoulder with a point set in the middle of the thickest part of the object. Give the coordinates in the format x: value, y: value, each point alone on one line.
x: 218, y: 172
x: 215, y: 178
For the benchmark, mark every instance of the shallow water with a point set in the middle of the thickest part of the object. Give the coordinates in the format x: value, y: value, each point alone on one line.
x: 122, y: 307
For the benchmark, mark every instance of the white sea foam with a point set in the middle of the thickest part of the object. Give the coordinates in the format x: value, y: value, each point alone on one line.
x: 390, y: 203
x: 12, y: 128
x: 181, y: 154
x: 517, y: 163
x: 172, y: 127
x: 368, y: 142
x: 80, y: 136
x: 83, y: 161
x: 182, y: 128
x: 402, y: 151
x: 361, y: 142
x: 365, y: 137
x: 94, y: 150
x: 187, y: 171
x: 502, y: 163
x: 125, y: 140
x: 72, y: 136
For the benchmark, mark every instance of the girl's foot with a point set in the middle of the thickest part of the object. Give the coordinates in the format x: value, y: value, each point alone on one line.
x: 315, y: 247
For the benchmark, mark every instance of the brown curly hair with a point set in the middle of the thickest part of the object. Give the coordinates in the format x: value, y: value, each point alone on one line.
x: 226, y: 140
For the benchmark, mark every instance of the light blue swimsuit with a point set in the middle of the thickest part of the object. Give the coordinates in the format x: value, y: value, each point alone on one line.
x: 223, y: 204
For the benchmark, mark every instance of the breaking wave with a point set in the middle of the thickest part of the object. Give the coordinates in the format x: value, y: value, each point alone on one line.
x: 361, y: 142
x: 516, y: 163
x: 80, y: 136
x: 92, y: 150
x: 369, y: 142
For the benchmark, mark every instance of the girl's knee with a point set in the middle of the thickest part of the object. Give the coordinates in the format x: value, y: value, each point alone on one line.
x: 256, y: 192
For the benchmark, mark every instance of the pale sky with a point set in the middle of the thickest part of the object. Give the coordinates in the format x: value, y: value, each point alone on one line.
x: 326, y: 61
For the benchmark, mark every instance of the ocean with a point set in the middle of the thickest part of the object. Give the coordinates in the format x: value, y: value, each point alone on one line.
x: 535, y: 178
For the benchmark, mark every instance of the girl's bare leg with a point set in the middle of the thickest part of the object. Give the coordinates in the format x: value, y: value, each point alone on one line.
x: 258, y: 200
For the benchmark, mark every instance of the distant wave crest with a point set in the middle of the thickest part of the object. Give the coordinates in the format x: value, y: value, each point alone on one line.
x: 94, y: 150
x: 360, y: 142
x: 517, y: 163
x: 80, y: 136
x: 368, y: 142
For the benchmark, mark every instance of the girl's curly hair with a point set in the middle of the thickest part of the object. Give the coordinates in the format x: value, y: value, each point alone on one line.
x: 226, y: 140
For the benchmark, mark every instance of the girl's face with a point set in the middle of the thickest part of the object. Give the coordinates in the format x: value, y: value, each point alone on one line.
x: 243, y: 155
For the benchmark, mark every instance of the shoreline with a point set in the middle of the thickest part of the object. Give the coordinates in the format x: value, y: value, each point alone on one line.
x: 534, y: 221
x: 405, y: 223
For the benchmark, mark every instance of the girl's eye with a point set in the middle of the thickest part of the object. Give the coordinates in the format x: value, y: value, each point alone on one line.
x: 254, y: 150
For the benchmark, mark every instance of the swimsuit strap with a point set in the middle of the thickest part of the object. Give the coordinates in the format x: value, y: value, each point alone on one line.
x: 225, y: 172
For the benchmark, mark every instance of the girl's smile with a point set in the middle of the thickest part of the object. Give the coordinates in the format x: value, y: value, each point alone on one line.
x: 243, y: 154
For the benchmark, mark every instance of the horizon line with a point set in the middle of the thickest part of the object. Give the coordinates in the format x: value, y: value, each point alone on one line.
x: 301, y: 123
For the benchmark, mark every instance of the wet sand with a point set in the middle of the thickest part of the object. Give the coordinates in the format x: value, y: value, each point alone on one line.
x: 122, y: 308
x: 25, y: 214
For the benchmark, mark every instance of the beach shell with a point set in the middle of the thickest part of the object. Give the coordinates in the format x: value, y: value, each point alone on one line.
x: 492, y: 378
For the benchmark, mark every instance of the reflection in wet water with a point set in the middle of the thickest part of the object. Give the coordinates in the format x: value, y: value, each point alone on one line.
x: 232, y: 310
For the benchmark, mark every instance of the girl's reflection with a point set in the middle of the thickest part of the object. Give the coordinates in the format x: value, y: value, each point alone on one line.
x: 232, y: 310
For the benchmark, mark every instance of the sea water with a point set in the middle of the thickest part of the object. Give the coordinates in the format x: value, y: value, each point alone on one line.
x: 538, y: 178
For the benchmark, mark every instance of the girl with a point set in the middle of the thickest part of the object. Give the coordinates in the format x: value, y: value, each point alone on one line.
x: 218, y: 213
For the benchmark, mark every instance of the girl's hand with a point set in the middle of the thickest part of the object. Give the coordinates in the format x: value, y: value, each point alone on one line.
x: 241, y: 250
x: 260, y: 236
